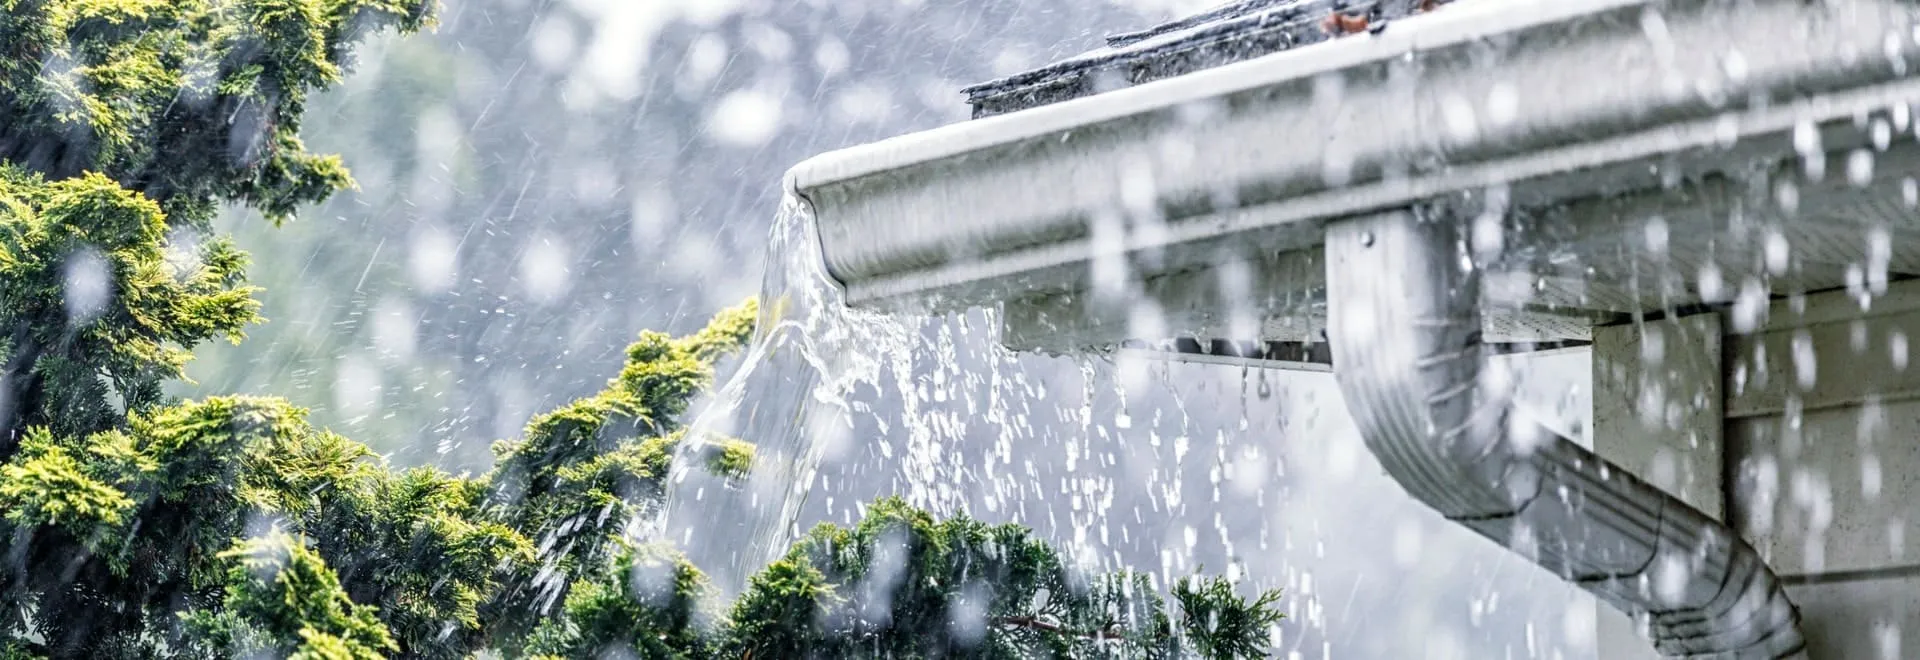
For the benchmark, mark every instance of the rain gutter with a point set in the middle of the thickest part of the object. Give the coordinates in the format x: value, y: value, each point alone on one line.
x: 1576, y: 98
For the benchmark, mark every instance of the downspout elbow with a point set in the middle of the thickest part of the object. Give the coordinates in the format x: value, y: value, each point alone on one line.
x: 1404, y: 325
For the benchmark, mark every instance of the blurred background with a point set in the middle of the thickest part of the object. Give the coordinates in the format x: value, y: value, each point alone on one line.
x: 540, y: 180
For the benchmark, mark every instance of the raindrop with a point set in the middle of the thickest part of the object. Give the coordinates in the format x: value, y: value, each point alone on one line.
x: 1462, y: 126
x: 1503, y: 104
x: 1787, y: 196
x: 543, y: 269
x: 1860, y: 167
x: 554, y: 41
x: 1750, y: 307
x: 1488, y: 236
x: 434, y: 259
x: 1890, y: 47
x: 1897, y: 349
x: 1671, y: 576
x: 87, y: 285
x: 1656, y: 235
x: 745, y: 118
x: 1886, y: 637
x: 1804, y: 366
x: 1735, y: 66
x: 1879, y: 256
x: 1777, y: 252
x: 1806, y: 142
x: 394, y: 327
x: 356, y: 387
x: 1870, y: 476
x: 1711, y: 287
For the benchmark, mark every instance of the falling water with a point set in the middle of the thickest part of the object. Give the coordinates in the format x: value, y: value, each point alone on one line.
x: 1168, y: 469
x: 788, y: 397
x: 962, y: 425
x: 921, y: 393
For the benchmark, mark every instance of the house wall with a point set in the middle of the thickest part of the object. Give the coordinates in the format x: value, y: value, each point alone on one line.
x: 1805, y: 435
x: 1657, y: 406
x: 1823, y: 465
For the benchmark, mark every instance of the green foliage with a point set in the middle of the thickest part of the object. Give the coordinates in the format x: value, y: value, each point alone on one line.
x: 604, y: 457
x: 186, y: 101
x: 731, y: 458
x: 15, y: 650
x: 139, y: 514
x: 1220, y: 622
x: 901, y: 584
x: 76, y: 360
x: 46, y: 486
x: 282, y: 600
x: 647, y: 602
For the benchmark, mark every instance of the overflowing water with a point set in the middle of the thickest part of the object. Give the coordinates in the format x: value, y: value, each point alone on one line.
x: 788, y: 396
x: 1123, y: 462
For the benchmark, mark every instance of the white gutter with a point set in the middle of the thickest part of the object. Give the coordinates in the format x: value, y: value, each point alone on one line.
x: 1576, y: 98
x: 1405, y: 330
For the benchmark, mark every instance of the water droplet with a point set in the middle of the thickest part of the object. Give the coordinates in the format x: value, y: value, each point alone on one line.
x: 1711, y: 287
x: 1860, y: 167
x: 1777, y: 252
x: 1734, y: 64
x: 1806, y: 139
x: 1503, y: 104
x: 1458, y: 114
x: 1787, y: 196
x: 1671, y: 577
x: 1656, y: 235
x: 1870, y: 477
x: 86, y: 285
x: 1804, y: 366
x: 1806, y: 142
x: 1897, y: 349
x: 1750, y: 308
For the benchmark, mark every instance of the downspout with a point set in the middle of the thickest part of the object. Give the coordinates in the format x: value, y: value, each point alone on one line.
x: 1404, y: 324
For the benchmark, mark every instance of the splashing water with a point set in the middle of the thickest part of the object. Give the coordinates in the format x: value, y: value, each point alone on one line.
x: 948, y: 411
x: 788, y: 397
x: 1166, y: 468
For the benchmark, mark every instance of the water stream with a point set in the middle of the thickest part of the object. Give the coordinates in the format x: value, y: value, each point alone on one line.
x: 960, y: 424
x: 788, y: 393
x: 1122, y: 463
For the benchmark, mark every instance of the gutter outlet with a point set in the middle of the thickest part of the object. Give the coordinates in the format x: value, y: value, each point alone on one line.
x: 1404, y: 324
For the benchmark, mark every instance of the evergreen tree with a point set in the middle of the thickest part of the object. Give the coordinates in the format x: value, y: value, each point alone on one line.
x: 139, y: 526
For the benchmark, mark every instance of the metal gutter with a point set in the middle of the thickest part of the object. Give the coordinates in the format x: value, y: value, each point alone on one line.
x: 1405, y: 331
x: 1577, y: 99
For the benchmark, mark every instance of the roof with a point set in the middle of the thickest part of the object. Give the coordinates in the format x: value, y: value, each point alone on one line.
x: 1230, y: 33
